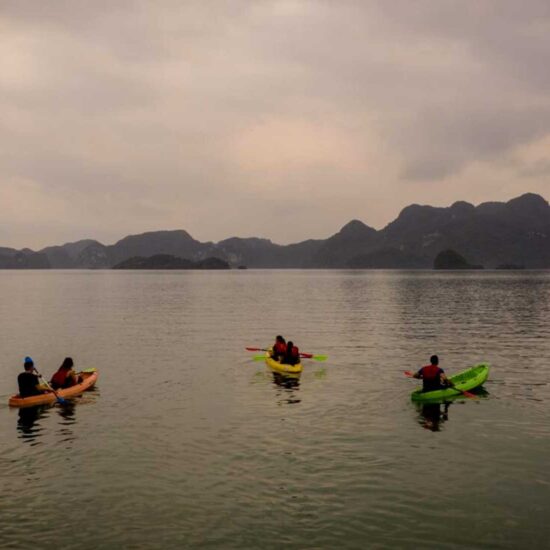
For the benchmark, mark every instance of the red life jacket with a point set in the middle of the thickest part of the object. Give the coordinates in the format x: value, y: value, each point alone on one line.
x: 279, y: 348
x: 430, y: 372
x: 292, y: 356
x: 59, y: 378
x: 431, y: 377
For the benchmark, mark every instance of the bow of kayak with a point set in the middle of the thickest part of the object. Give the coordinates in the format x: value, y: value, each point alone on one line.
x: 89, y: 378
x: 283, y: 368
x: 466, y: 380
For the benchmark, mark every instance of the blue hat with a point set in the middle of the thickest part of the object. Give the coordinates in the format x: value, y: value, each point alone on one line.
x: 28, y: 360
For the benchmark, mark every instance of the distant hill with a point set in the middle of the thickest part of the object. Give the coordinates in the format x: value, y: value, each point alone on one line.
x: 516, y: 232
x: 166, y: 261
x: 353, y: 239
x: 450, y: 259
x: 68, y: 255
x: 492, y: 234
x: 22, y: 259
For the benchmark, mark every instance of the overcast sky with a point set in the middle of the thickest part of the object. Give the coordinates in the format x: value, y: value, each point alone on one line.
x: 281, y: 119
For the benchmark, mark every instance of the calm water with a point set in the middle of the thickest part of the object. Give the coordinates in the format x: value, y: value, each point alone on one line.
x: 188, y: 443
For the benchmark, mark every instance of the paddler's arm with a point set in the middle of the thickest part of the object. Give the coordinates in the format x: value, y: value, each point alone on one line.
x: 446, y: 381
x: 42, y: 386
x: 417, y: 374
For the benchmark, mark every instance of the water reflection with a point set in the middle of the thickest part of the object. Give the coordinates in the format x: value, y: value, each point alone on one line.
x: 27, y: 423
x: 432, y: 415
x: 287, y: 386
x: 67, y: 413
x: 30, y: 429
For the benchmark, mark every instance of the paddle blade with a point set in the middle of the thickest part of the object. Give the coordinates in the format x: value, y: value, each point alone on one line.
x: 467, y: 394
x: 314, y: 357
x: 408, y: 373
x: 255, y: 349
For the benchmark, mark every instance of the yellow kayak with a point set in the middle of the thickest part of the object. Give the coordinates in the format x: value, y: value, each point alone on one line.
x: 283, y: 368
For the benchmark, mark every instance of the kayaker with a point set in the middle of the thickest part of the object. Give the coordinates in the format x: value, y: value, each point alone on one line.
x: 279, y: 348
x: 292, y: 355
x: 65, y: 377
x: 433, y: 376
x: 29, y: 382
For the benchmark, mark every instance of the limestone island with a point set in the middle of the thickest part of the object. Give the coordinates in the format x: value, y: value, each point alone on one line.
x: 449, y: 259
x: 166, y: 261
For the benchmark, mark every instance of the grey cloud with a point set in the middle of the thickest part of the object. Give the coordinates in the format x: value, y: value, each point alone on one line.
x: 452, y: 139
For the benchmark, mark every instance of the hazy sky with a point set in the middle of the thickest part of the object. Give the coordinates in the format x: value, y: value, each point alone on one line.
x: 281, y: 119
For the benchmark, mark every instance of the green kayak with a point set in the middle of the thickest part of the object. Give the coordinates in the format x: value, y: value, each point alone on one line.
x: 466, y: 380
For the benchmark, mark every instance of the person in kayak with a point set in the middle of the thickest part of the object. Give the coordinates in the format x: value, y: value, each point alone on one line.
x: 279, y: 349
x: 29, y: 382
x: 65, y: 377
x: 433, y: 376
x: 292, y: 354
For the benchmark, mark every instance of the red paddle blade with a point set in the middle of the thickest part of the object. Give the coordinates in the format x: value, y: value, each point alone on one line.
x: 408, y: 373
x: 467, y: 393
x: 306, y: 355
x: 255, y: 349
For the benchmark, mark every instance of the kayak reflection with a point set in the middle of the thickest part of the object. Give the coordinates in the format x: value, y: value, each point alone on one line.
x: 288, y: 386
x: 432, y: 415
x: 67, y: 413
x: 28, y: 424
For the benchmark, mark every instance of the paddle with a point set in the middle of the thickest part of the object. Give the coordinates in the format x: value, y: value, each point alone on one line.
x: 410, y: 374
x: 59, y: 399
x: 303, y: 355
x: 314, y: 357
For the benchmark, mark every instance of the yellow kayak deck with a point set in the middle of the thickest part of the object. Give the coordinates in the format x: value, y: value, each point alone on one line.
x: 282, y: 367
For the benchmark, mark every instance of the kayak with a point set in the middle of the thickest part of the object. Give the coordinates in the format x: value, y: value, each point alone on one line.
x: 88, y: 380
x: 466, y: 380
x: 283, y: 368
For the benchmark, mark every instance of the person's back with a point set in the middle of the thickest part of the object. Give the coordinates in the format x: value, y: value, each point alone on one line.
x: 279, y: 348
x: 292, y: 355
x: 432, y: 375
x: 28, y: 381
x: 65, y: 377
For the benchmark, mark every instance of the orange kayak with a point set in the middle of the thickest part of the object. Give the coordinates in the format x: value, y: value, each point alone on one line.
x: 88, y: 380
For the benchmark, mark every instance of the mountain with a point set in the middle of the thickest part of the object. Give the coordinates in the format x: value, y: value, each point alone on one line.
x: 353, y: 239
x: 262, y: 253
x: 22, y: 259
x: 67, y: 255
x: 450, y: 259
x: 492, y: 234
x: 166, y: 261
x: 175, y: 243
